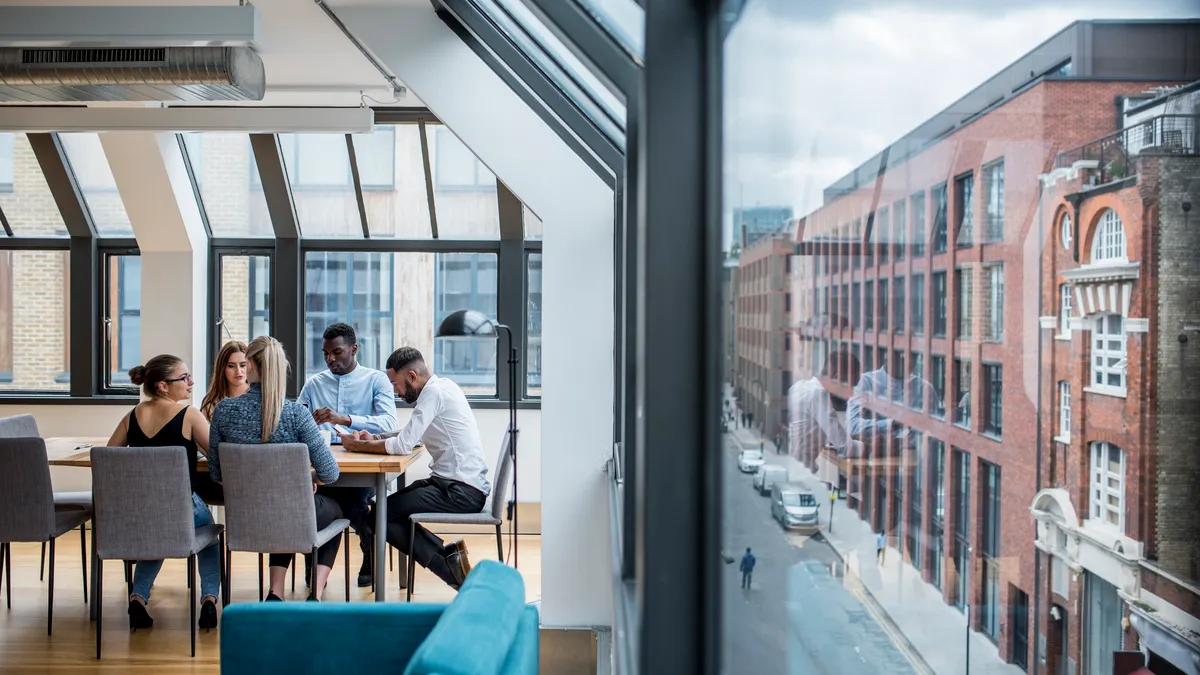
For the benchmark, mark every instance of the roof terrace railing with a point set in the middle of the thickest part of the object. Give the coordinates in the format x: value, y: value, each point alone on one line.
x: 1162, y: 135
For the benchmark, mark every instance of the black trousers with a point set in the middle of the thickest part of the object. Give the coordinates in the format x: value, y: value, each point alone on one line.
x: 327, y: 512
x: 434, y: 494
x: 356, y: 507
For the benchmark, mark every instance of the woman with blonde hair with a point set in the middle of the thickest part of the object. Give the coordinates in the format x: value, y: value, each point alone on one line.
x: 228, y: 377
x: 264, y: 415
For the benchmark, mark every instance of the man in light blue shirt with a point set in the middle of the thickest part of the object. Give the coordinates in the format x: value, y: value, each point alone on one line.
x: 357, y: 398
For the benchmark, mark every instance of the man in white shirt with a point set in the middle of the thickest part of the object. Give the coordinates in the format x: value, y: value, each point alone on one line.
x: 442, y: 421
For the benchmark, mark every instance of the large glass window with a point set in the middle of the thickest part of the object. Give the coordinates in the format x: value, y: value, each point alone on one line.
x: 95, y: 180
x: 25, y: 197
x: 464, y: 190
x: 393, y: 181
x: 318, y: 169
x: 244, y: 312
x: 34, y: 340
x: 226, y: 175
x: 123, y: 317
x: 533, y: 327
x: 1108, y: 244
x: 398, y: 299
x: 624, y: 19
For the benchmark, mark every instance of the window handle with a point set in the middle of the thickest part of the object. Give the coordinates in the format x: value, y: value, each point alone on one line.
x: 108, y: 329
x: 221, y: 324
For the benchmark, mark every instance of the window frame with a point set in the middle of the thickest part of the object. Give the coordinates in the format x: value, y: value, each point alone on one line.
x: 111, y: 339
x: 1110, y: 244
x: 1064, y: 411
x: 1099, y: 356
x: 1065, y: 307
x: 1099, y: 491
x: 964, y: 210
x: 992, y: 424
x: 993, y: 213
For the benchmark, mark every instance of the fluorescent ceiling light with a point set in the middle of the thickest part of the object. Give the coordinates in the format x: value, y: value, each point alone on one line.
x: 39, y: 119
x: 130, y: 26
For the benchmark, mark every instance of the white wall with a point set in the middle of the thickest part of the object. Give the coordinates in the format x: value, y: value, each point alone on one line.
x: 576, y: 208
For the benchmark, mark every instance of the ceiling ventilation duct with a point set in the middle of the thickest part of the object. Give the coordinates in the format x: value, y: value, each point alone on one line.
x: 75, y: 74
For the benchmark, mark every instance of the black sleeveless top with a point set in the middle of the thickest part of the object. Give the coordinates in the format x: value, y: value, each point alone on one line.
x: 172, y: 435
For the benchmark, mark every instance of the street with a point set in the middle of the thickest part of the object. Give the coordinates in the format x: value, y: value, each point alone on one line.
x: 801, y: 615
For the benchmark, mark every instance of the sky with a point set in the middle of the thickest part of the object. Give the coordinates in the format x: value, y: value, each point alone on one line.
x: 815, y: 88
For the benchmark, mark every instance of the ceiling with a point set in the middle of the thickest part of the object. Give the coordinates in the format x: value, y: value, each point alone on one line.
x: 308, y: 61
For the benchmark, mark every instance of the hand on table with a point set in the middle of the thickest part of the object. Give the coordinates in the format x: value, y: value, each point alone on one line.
x: 331, y: 416
x: 353, y: 441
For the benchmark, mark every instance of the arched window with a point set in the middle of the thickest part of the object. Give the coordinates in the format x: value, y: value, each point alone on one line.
x: 1065, y: 231
x: 1109, y: 243
x: 1106, y: 498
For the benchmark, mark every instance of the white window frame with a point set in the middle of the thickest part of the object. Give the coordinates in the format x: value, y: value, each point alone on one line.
x: 1101, y: 491
x: 1109, y: 245
x: 1064, y: 310
x: 1065, y: 231
x: 1064, y: 412
x: 1107, y: 361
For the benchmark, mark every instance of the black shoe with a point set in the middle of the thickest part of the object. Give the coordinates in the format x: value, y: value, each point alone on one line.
x: 365, y: 578
x: 138, y: 616
x: 208, y: 615
x: 457, y: 572
x: 312, y: 598
x: 271, y: 597
x: 458, y: 547
x: 308, y: 571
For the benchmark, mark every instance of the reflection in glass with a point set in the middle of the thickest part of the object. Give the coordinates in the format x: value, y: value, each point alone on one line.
x: 227, y: 176
x: 624, y: 19
x: 123, y: 317
x: 245, y: 309
x: 533, y: 335
x: 318, y: 169
x: 33, y: 321
x: 95, y: 180
x: 464, y: 190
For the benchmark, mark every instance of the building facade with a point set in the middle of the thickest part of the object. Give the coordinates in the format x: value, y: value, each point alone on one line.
x: 1117, y: 524
x: 926, y: 288
x: 764, y: 339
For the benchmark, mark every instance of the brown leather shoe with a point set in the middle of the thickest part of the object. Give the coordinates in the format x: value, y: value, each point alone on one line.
x: 459, y: 547
x: 458, y: 563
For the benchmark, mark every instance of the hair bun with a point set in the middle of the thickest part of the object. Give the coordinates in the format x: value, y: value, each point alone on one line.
x: 137, y: 375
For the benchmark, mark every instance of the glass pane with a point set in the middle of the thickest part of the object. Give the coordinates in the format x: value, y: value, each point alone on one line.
x: 464, y: 190
x: 124, y: 303
x: 624, y: 19
x: 24, y: 196
x: 245, y: 309
x: 533, y: 356
x: 393, y: 181
x: 318, y: 168
x: 533, y: 224
x: 398, y: 299
x: 33, y: 321
x: 557, y: 62
x: 95, y: 180
x: 839, y: 129
x: 230, y: 188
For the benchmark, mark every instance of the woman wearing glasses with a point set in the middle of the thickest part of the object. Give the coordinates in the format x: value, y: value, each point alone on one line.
x: 166, y: 419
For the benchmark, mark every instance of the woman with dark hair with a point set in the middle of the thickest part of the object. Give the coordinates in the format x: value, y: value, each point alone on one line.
x: 165, y: 419
x: 228, y: 378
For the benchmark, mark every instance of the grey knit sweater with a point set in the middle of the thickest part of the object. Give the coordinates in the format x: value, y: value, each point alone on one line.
x: 239, y: 420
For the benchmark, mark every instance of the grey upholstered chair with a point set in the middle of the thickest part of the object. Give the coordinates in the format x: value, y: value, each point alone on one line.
x: 27, y: 508
x: 269, y: 503
x: 492, y: 513
x: 143, y: 499
x: 25, y: 426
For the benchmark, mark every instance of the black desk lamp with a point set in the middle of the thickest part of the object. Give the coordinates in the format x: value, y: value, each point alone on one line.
x: 468, y: 323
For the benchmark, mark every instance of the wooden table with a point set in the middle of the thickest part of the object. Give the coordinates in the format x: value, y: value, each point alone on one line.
x: 357, y: 470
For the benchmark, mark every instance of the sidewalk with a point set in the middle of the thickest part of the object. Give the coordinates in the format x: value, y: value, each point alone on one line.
x: 937, y: 631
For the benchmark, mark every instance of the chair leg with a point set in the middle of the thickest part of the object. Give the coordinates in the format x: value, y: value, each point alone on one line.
x: 8, y: 578
x: 3, y: 547
x: 412, y: 558
x: 128, y: 564
x: 346, y: 532
x: 293, y: 566
x: 42, y: 567
x: 391, y: 566
x: 98, y: 566
x: 312, y: 577
x: 192, y: 600
x: 221, y: 565
x: 227, y: 592
x: 83, y: 558
x: 260, y: 580
x: 50, y: 602
x: 500, y: 542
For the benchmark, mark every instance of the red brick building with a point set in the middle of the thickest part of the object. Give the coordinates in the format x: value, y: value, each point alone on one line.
x: 1117, y: 522
x: 764, y: 343
x: 925, y: 279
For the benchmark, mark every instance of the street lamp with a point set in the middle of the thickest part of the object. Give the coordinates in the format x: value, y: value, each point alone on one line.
x: 469, y: 323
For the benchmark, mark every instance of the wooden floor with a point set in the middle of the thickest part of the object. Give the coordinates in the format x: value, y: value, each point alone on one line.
x: 25, y: 647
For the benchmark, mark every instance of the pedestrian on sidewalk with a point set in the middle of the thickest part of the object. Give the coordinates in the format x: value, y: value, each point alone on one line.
x: 747, y: 567
x: 880, y: 546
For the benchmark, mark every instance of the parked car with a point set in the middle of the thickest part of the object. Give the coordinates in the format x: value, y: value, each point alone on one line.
x: 795, y: 507
x: 768, y: 476
x: 750, y: 460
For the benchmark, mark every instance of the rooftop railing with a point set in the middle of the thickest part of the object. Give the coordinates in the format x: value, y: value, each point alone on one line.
x: 1162, y: 135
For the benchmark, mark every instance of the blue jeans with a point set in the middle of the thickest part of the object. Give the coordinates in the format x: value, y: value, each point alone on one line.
x: 208, y: 560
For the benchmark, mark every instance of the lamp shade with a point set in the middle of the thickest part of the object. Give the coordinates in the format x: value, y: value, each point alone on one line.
x: 467, y: 323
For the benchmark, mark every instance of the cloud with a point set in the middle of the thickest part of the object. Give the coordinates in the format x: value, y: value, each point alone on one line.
x: 812, y: 92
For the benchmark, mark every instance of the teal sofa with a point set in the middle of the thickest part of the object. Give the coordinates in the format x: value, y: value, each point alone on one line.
x: 487, y: 629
